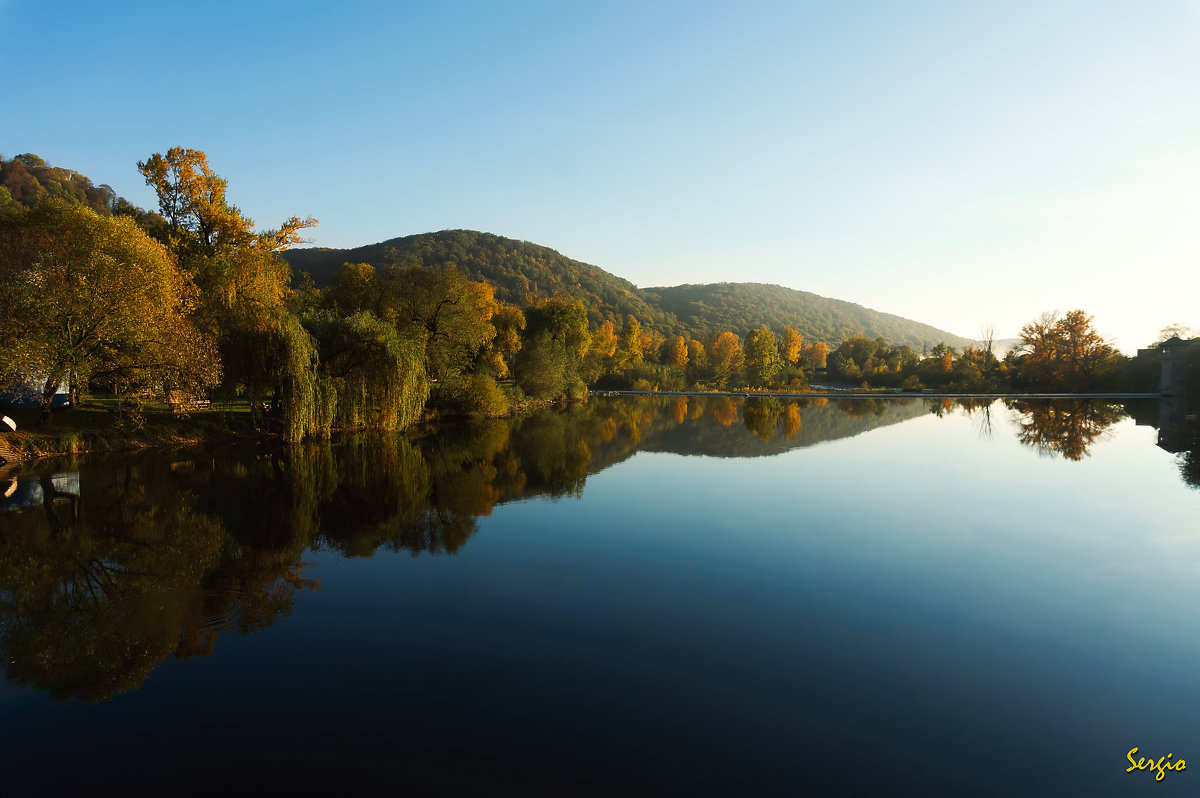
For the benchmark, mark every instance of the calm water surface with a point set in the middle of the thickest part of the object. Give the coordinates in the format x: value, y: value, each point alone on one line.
x: 700, y: 596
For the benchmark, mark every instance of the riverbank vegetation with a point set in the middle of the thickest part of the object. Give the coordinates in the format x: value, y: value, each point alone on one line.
x: 194, y: 304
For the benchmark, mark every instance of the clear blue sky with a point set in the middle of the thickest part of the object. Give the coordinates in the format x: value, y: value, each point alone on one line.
x: 960, y: 163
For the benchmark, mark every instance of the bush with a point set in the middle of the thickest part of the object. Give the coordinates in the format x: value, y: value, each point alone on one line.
x: 471, y: 395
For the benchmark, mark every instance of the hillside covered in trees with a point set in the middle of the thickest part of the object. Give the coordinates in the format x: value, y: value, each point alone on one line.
x: 26, y: 180
x: 523, y: 272
x: 704, y: 309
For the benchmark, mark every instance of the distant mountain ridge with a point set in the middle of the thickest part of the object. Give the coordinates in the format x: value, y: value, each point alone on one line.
x: 711, y: 307
x: 523, y: 272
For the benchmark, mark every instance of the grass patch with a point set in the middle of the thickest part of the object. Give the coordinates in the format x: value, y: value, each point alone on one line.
x: 104, y: 424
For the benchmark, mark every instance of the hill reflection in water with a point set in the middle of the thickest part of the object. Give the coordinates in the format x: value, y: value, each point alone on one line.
x: 111, y: 565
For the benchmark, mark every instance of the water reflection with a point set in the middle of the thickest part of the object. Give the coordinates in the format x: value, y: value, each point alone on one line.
x: 109, y: 566
x: 93, y: 595
x: 1064, y: 427
x: 1179, y: 433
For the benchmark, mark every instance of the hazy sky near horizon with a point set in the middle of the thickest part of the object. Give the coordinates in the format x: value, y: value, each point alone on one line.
x: 960, y: 164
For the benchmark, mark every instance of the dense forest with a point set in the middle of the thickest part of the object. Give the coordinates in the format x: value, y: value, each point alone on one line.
x: 192, y: 302
x: 705, y: 309
x: 522, y: 272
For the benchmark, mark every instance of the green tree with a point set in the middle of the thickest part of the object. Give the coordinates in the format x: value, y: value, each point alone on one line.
x: 93, y: 298
x: 557, y: 340
x: 451, y: 313
x: 378, y: 376
x: 352, y: 288
x: 763, y: 363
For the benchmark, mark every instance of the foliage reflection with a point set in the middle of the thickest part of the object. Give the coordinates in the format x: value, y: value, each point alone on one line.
x: 1064, y: 427
x: 109, y: 566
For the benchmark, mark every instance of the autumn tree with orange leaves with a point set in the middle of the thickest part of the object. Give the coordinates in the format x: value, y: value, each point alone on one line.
x: 1064, y: 353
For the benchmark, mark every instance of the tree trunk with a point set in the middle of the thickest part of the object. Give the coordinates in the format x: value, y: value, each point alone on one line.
x: 48, y: 393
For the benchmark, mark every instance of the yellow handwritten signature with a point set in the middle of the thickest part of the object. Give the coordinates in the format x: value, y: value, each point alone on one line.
x: 1163, y: 764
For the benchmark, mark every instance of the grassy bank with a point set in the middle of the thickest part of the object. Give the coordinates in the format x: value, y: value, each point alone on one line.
x: 100, y: 426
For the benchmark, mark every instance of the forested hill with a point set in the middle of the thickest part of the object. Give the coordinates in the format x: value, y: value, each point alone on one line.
x: 521, y: 272
x: 26, y: 180
x: 740, y: 306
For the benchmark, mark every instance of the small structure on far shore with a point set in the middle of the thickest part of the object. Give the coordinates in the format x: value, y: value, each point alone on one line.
x: 1169, y: 356
x: 1171, y: 352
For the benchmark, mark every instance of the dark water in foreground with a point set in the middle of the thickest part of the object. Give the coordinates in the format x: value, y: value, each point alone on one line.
x: 625, y: 597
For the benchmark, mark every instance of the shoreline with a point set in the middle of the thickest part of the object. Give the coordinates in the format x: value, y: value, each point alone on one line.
x: 32, y: 446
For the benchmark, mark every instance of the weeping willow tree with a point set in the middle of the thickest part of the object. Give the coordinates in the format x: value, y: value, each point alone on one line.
x: 375, y: 375
x: 278, y: 367
x: 305, y: 399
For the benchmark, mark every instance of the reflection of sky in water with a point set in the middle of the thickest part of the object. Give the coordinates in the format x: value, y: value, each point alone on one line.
x: 919, y: 609
x: 946, y: 606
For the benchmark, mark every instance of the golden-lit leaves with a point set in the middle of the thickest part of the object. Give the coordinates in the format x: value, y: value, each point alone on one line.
x: 93, y: 297
x: 678, y: 354
x: 792, y: 346
x: 604, y: 339
x: 1063, y: 353
x: 816, y: 354
x: 725, y: 357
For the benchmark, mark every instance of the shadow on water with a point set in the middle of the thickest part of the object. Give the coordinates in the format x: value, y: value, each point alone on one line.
x: 111, y: 565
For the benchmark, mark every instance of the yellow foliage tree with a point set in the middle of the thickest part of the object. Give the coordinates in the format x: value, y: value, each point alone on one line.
x: 679, y: 352
x: 793, y: 345
x: 725, y: 357
x: 93, y: 298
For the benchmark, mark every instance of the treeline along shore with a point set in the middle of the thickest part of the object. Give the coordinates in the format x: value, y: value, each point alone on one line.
x: 192, y: 308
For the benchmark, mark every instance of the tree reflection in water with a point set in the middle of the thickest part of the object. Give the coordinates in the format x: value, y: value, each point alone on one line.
x: 1187, y: 434
x: 152, y: 557
x: 1064, y: 427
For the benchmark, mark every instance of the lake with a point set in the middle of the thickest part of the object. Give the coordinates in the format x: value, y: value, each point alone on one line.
x: 636, y: 596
